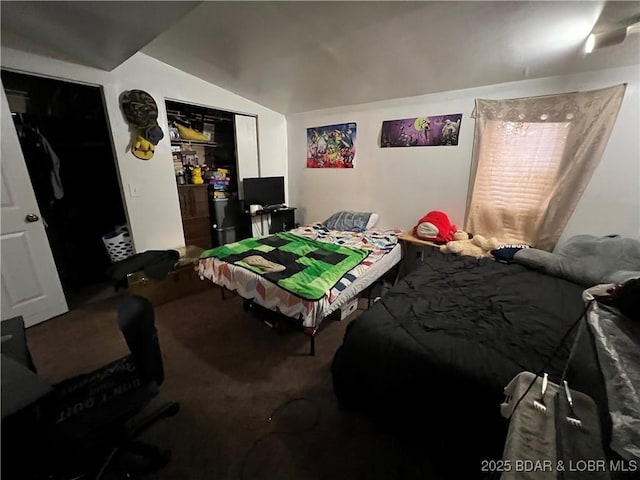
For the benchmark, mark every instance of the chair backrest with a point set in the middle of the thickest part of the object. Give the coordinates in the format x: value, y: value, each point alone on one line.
x: 136, y: 321
x: 14, y: 342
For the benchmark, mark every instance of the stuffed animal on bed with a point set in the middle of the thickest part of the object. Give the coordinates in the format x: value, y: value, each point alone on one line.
x: 478, y: 246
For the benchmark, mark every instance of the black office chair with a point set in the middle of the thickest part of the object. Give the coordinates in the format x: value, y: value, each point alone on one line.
x: 89, y: 417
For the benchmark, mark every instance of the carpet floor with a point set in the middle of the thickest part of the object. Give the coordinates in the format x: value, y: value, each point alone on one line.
x: 254, y: 404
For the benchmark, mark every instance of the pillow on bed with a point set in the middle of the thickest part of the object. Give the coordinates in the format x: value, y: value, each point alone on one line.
x: 373, y: 219
x: 350, y: 221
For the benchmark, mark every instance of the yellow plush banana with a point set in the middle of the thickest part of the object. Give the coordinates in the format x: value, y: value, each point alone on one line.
x: 189, y: 133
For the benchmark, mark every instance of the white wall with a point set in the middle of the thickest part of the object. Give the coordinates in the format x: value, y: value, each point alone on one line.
x: 154, y: 214
x: 402, y: 184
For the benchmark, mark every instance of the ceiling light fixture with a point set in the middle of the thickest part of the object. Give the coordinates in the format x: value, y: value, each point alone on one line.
x: 611, y: 37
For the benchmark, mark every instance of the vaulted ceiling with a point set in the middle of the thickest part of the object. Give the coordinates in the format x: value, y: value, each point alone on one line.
x: 300, y: 56
x: 96, y: 34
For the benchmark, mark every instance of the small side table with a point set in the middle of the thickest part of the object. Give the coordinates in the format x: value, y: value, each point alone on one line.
x: 412, y: 248
x: 279, y: 220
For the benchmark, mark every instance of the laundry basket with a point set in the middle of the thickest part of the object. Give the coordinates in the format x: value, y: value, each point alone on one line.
x: 118, y: 244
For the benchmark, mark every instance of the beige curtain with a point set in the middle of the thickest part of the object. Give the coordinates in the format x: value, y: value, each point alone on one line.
x: 532, y: 160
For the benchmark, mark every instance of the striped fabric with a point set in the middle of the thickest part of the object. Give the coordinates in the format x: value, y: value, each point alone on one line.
x: 266, y: 293
x: 378, y: 242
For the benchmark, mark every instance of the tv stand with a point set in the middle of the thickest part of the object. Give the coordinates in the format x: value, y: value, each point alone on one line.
x: 280, y: 219
x: 272, y: 208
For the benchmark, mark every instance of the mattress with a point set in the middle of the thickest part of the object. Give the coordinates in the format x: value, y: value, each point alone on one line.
x: 384, y: 253
x: 435, y: 353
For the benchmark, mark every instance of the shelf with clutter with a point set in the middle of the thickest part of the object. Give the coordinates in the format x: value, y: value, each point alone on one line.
x: 181, y: 133
x: 193, y: 166
x: 203, y: 145
x: 189, y: 166
x: 196, y: 124
x: 188, y: 143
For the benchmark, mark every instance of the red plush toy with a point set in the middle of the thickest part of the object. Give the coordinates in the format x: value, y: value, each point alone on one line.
x: 435, y: 227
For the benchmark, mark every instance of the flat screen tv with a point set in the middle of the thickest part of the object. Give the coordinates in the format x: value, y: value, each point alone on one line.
x: 263, y: 191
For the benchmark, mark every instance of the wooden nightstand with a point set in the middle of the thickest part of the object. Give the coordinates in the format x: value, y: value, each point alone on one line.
x: 412, y: 249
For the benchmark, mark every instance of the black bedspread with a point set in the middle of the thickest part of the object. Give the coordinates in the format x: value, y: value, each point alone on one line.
x: 434, y: 354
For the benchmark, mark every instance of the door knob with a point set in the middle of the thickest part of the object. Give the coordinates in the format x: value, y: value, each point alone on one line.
x: 32, y: 217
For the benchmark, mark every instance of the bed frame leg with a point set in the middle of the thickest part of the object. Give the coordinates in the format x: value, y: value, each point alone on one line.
x: 311, y: 331
x: 370, y: 292
x: 246, y: 304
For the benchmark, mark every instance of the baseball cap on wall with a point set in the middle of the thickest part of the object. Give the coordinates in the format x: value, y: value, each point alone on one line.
x: 141, y: 112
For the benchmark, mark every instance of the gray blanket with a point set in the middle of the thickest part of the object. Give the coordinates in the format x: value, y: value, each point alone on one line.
x: 617, y: 339
x: 598, y: 263
x: 587, y: 260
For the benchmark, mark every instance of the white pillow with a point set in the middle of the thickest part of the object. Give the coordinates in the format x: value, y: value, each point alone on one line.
x: 373, y: 219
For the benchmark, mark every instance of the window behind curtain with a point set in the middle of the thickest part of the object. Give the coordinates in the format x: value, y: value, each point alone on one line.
x: 518, y: 166
x: 532, y: 160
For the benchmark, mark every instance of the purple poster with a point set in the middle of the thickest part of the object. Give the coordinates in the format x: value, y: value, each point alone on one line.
x: 421, y: 131
x: 331, y: 146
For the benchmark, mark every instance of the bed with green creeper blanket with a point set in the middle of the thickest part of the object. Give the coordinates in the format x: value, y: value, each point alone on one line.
x: 231, y: 269
x: 307, y: 268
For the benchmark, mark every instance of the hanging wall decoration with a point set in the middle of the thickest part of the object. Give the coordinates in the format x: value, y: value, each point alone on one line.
x: 421, y: 131
x: 141, y: 112
x: 331, y: 146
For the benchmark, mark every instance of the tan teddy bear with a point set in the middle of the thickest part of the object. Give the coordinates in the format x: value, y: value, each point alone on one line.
x: 478, y: 246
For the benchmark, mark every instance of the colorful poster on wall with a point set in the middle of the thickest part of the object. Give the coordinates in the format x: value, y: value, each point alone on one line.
x: 421, y: 131
x: 331, y: 146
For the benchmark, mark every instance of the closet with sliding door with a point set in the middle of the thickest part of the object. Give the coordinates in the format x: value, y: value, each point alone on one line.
x: 213, y: 150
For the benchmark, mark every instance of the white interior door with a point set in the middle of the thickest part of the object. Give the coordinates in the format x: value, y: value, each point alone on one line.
x: 30, y: 283
x: 247, y: 149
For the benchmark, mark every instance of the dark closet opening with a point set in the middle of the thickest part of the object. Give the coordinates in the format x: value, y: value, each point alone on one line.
x: 64, y: 135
